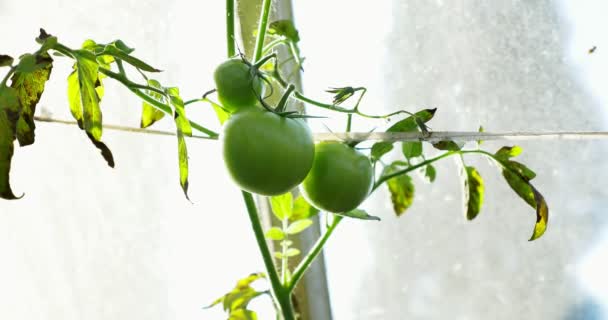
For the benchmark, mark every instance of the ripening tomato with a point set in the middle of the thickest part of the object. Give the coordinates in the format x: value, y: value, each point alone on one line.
x: 340, y: 180
x: 266, y: 153
x: 238, y: 85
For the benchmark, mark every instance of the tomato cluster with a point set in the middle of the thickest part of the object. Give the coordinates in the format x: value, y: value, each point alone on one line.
x: 269, y: 153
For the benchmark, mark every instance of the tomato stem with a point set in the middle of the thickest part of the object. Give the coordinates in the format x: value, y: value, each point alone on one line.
x: 230, y: 28
x: 283, y: 103
x: 312, y: 255
x: 281, y: 295
x: 259, y: 43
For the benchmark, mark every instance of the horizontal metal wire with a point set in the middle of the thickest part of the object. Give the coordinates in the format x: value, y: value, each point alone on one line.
x: 462, y: 136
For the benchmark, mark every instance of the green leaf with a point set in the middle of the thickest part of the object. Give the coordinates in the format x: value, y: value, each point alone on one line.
x: 531, y: 196
x: 291, y: 252
x: 222, y: 115
x: 411, y: 123
x: 284, y: 28
x: 508, y: 152
x: 521, y: 187
x: 182, y: 152
x: 474, y: 191
x: 411, y: 149
x: 241, y: 295
x: 243, y: 314
x: 182, y: 122
x: 282, y: 206
x: 359, y: 214
x: 278, y: 255
x: 123, y: 46
x: 298, y: 226
x: 302, y: 209
x: 520, y: 168
x: 430, y: 173
x: 27, y: 63
x: 29, y: 88
x: 275, y: 233
x: 379, y: 149
x: 88, y: 81
x: 6, y: 61
x: 115, y: 52
x: 9, y: 114
x: 401, y: 189
x: 542, y: 215
x: 74, y: 97
x: 448, y: 145
x: 149, y: 113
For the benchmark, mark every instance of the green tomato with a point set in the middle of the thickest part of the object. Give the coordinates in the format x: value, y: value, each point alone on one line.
x: 266, y: 153
x: 237, y: 84
x: 340, y: 179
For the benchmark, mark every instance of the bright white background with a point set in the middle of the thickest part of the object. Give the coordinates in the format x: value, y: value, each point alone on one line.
x: 89, y: 242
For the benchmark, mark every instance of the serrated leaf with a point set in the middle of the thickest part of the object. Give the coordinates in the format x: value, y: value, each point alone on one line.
x: 411, y: 149
x: 302, y: 209
x: 298, y: 226
x: 181, y: 121
x: 149, y: 113
x: 29, y: 88
x: 9, y: 114
x: 505, y: 153
x: 430, y: 173
x: 6, y: 60
x: 284, y: 28
x: 401, y: 189
x: 275, y: 233
x: 291, y: 252
x: 475, y: 192
x: 379, y: 149
x: 182, y: 152
x: 448, y: 145
x: 115, y: 52
x: 282, y: 206
x: 359, y: 214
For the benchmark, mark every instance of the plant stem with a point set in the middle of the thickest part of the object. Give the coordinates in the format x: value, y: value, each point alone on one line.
x: 230, y: 28
x: 159, y: 105
x: 387, y: 177
x: 281, y: 295
x: 259, y: 42
x: 284, y: 258
x: 7, y: 76
x: 312, y: 255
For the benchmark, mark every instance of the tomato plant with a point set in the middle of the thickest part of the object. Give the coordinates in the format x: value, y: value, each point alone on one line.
x: 266, y: 153
x: 340, y: 178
